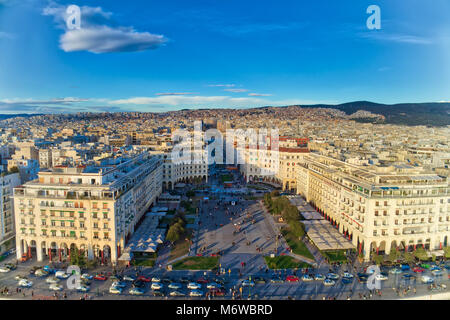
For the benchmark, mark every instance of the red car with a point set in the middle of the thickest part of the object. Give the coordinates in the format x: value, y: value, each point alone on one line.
x: 143, y: 278
x: 217, y: 292
x: 202, y: 280
x: 100, y: 277
x: 418, y: 269
x: 292, y: 279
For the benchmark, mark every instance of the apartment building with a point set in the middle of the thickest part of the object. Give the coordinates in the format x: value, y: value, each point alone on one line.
x: 397, y: 207
x: 7, y: 183
x: 93, y: 208
x: 274, y: 164
x: 187, y: 172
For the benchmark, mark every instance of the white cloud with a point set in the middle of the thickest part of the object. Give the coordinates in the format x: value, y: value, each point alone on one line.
x: 105, y: 39
x: 97, y: 33
x: 236, y: 90
x: 221, y: 85
x: 400, y: 38
x: 259, y: 94
x: 173, y: 93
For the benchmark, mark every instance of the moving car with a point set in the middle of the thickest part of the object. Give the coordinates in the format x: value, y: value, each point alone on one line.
x: 100, y: 277
x: 4, y: 269
x: 136, y: 291
x: 244, y: 283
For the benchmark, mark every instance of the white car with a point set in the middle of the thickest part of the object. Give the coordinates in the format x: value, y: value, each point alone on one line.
x: 55, y: 287
x: 332, y: 276
x: 40, y: 273
x: 115, y: 290
x: 245, y: 283
x: 175, y: 286
x: 196, y: 293
x: 348, y: 275
x: 119, y: 284
x: 52, y: 280
x: 128, y: 278
x: 194, y: 286
x: 19, y: 277
x: 156, y: 286
x: 156, y: 279
x: 381, y: 277
x: 136, y: 291
x: 4, y: 269
x: 25, y: 283
x: 329, y: 282
x: 437, y: 272
x: 86, y: 276
x: 61, y: 275
x: 427, y: 279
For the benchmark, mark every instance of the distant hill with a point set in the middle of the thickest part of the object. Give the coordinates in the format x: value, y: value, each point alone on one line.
x: 427, y: 113
x: 25, y: 115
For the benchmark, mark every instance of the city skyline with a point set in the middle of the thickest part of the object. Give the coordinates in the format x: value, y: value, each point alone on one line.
x: 155, y: 58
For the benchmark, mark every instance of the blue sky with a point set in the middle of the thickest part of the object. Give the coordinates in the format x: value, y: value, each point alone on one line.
x: 148, y: 55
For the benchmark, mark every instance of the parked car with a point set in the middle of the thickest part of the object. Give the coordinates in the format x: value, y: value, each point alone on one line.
x: 319, y: 277
x: 25, y: 283
x: 175, y: 286
x: 176, y: 294
x: 166, y: 280
x: 194, y: 286
x: 52, y: 280
x: 184, y: 280
x: 405, y: 267
x: 381, y: 277
x: 136, y: 291
x: 307, y: 277
x: 20, y: 277
x: 292, y: 279
x: 86, y: 276
x: 332, y: 276
x: 202, y: 280
x: 437, y: 272
x: 157, y: 293
x: 196, y: 293
x: 418, y: 269
x: 276, y: 280
x: 138, y: 284
x: 395, y: 271
x: 156, y: 286
x: 61, y: 274
x: 4, y: 269
x: 154, y: 279
x: 328, y: 282
x: 347, y: 280
x: 55, y: 287
x: 217, y: 292
x: 129, y: 278
x: 259, y: 280
x: 427, y: 279
x: 119, y: 284
x: 83, y: 288
x: 348, y: 275
x: 115, y: 290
